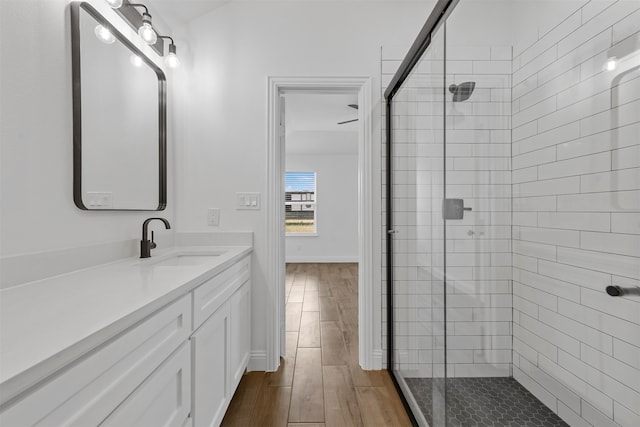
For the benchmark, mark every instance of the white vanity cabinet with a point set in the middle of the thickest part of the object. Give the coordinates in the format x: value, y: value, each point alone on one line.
x: 220, y: 343
x: 240, y: 313
x: 177, y: 367
x: 85, y: 393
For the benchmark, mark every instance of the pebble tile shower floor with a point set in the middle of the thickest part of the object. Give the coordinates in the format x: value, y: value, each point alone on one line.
x: 479, y: 402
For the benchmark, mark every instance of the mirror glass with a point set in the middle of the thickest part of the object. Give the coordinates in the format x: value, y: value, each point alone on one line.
x: 119, y: 119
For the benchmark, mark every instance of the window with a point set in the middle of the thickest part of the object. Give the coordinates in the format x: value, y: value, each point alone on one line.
x: 300, y: 203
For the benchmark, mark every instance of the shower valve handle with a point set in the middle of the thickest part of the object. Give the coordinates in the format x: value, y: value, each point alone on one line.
x: 453, y: 208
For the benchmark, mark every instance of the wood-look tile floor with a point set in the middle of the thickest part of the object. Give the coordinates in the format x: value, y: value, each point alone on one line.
x: 319, y: 382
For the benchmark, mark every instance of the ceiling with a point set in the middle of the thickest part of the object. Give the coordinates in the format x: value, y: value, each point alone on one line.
x: 311, y: 123
x: 184, y: 10
x: 320, y: 111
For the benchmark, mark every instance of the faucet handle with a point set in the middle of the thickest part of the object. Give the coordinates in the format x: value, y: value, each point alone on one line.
x: 145, y: 244
x: 153, y: 243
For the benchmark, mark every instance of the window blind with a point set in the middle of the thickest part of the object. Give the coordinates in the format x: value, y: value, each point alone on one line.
x: 300, y: 202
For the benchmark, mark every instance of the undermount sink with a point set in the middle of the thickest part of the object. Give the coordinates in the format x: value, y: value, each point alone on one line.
x: 187, y: 259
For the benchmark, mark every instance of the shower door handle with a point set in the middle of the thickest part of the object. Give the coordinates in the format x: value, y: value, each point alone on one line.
x: 392, y: 231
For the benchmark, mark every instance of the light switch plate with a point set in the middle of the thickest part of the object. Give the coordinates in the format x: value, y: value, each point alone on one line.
x: 213, y: 217
x: 247, y: 201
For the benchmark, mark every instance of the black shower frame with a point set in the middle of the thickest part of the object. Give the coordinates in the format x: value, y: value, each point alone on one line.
x: 417, y: 49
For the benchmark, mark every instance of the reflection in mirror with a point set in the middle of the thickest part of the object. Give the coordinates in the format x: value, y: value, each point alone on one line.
x: 119, y: 119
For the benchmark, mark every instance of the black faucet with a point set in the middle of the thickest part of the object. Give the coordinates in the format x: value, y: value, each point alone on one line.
x: 145, y: 244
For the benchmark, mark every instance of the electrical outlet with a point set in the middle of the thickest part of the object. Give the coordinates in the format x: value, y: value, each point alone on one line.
x: 213, y: 217
x: 99, y: 200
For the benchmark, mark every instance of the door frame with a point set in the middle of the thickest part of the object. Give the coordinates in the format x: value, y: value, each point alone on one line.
x: 369, y: 304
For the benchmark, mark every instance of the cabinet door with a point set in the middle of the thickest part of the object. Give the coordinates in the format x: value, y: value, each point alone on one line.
x: 210, y: 375
x: 240, y: 307
x: 163, y: 400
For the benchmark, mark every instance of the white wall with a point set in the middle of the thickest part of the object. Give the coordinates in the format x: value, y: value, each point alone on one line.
x: 336, y: 209
x: 576, y: 213
x: 37, y: 211
x: 234, y: 49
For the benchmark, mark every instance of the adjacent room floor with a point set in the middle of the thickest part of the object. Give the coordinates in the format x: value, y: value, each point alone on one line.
x: 319, y: 382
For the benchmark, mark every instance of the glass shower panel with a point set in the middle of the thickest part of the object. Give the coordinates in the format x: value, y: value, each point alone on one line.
x: 478, y: 247
x: 418, y: 269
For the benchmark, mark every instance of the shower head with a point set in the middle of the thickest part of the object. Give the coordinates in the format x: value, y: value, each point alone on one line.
x: 463, y: 91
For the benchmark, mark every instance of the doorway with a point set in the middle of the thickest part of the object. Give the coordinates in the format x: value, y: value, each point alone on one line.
x: 321, y: 176
x: 370, y: 353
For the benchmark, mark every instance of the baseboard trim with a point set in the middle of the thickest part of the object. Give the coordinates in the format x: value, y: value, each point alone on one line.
x: 257, y: 361
x: 376, y: 359
x: 322, y: 260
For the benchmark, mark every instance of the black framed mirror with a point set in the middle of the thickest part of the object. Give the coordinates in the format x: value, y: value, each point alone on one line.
x: 119, y: 119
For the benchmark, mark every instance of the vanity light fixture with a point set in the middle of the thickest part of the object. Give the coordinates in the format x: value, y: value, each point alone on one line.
x: 171, y: 59
x: 612, y: 63
x: 104, y: 35
x: 146, y: 31
x: 139, y: 19
x: 114, y: 3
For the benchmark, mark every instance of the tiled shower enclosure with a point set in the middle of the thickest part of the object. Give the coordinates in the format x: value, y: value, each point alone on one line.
x: 529, y: 111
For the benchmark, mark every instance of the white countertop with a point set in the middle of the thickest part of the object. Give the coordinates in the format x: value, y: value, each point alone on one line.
x: 46, y: 324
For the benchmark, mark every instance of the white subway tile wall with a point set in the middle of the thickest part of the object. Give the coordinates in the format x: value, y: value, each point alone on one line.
x: 576, y: 219
x: 478, y: 254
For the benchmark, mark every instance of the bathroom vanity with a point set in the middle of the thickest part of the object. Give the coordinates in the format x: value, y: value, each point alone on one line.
x: 162, y: 341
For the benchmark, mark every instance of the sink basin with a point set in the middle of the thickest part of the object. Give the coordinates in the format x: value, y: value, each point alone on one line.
x: 187, y: 259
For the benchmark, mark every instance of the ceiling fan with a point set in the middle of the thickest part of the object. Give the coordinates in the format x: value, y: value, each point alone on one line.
x: 354, y: 106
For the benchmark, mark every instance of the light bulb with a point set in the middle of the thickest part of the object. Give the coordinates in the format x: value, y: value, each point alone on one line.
x: 172, y: 60
x: 146, y: 31
x: 148, y: 34
x: 611, y: 64
x: 104, y: 35
x: 135, y: 60
x: 114, y: 3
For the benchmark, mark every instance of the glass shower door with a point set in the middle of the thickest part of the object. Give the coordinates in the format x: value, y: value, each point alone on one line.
x: 417, y: 233
x: 451, y: 227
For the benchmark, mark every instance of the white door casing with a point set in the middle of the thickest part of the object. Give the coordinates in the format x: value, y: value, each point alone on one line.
x: 283, y: 233
x: 369, y: 303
